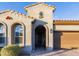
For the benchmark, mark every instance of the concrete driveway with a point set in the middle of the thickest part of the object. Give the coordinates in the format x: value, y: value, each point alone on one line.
x: 62, y: 52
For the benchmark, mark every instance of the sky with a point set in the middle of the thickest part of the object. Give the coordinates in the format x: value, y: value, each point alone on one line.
x: 64, y: 10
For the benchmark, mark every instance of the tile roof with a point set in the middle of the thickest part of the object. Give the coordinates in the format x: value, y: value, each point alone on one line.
x: 66, y: 22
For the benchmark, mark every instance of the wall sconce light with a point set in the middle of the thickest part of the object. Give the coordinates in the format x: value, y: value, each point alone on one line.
x: 51, y: 31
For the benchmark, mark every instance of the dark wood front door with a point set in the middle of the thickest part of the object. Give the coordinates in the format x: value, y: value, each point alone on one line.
x: 40, y: 37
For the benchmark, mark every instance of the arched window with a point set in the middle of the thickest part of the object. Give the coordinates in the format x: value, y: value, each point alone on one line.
x: 2, y: 33
x: 18, y: 33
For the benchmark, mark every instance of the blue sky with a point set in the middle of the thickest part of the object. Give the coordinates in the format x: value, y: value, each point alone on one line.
x: 63, y: 9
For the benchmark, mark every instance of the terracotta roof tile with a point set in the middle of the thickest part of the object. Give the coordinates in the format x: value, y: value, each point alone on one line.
x: 66, y: 22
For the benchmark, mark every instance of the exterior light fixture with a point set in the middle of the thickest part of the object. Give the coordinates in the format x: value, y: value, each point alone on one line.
x: 51, y: 31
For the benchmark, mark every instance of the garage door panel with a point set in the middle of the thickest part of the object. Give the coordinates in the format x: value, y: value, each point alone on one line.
x: 67, y: 39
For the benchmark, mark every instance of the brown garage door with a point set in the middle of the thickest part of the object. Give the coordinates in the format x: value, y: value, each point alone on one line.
x: 66, y: 40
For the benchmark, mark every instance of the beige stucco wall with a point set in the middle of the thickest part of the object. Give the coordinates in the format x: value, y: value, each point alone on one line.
x: 35, y: 10
x: 29, y: 27
x: 66, y: 27
x: 46, y: 21
x: 17, y: 18
x: 27, y: 23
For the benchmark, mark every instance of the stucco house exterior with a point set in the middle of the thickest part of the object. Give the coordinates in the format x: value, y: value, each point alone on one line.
x: 37, y: 29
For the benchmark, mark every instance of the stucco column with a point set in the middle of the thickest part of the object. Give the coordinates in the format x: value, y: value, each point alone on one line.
x: 9, y: 35
x: 50, y: 37
x: 33, y: 37
x: 29, y: 37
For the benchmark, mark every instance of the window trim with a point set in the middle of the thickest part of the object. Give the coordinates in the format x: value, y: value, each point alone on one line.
x: 13, y: 29
x: 5, y: 35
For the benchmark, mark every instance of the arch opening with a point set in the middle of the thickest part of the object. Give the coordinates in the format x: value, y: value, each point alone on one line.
x: 40, y: 37
x: 17, y: 34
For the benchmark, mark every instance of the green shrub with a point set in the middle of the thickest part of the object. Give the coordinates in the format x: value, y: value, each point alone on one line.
x: 12, y: 50
x: 0, y: 51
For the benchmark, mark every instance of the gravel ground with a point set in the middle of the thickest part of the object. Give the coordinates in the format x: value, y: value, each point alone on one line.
x: 62, y: 52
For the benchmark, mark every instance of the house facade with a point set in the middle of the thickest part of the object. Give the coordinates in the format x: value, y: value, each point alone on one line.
x: 37, y: 29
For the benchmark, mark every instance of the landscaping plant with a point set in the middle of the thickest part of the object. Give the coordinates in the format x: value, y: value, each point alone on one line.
x: 11, y: 50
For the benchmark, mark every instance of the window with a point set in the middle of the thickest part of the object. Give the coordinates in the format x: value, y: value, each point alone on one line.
x: 18, y: 34
x: 41, y: 15
x: 2, y: 33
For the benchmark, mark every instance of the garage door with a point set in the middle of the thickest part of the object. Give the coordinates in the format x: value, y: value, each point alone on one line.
x: 66, y: 40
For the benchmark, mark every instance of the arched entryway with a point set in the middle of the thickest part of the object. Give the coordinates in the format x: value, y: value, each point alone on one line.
x: 40, y: 37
